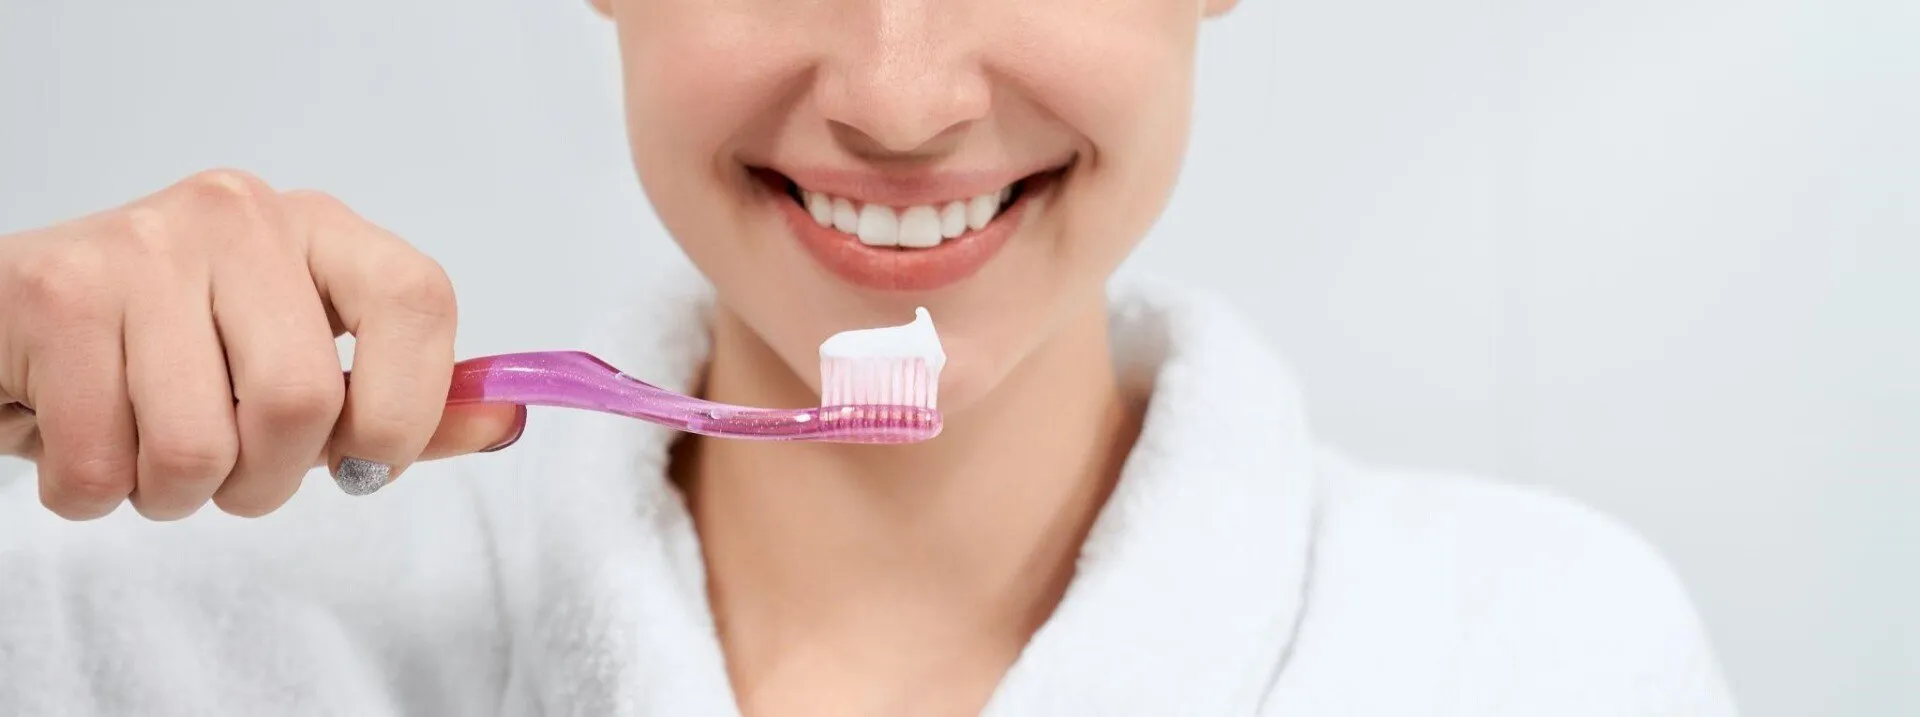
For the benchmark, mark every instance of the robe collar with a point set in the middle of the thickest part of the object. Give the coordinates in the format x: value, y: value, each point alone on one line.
x: 1187, y: 592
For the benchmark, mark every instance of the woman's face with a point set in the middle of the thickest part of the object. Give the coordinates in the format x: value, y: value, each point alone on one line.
x: 831, y: 164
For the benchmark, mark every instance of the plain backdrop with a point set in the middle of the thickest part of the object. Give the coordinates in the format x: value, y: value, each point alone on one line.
x: 1662, y: 255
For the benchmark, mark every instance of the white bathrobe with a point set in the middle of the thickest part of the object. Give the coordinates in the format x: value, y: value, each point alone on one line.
x: 1236, y: 570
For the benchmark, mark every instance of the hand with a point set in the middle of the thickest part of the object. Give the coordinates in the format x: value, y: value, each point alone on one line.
x: 181, y: 348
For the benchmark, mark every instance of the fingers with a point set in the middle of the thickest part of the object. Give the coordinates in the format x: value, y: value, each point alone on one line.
x: 287, y: 386
x: 181, y: 349
x: 77, y: 381
x: 177, y: 380
x: 399, y: 305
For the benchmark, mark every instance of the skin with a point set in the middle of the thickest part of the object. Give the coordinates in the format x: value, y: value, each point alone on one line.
x: 178, y: 350
x: 906, y: 580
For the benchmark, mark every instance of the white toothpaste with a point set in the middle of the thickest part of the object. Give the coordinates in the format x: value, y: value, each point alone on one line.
x: 916, y: 340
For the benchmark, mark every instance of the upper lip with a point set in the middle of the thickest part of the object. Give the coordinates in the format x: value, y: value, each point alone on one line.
x: 908, y: 188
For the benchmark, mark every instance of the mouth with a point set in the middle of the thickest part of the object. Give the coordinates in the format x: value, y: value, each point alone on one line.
x: 917, y: 235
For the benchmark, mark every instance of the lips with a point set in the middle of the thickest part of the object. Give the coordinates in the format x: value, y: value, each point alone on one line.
x: 912, y: 236
x: 921, y: 226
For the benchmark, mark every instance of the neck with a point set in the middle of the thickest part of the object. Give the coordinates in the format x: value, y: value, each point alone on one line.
x: 969, y: 537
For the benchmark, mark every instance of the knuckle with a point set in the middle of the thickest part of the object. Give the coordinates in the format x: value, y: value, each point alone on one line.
x: 225, y: 190
x: 197, y: 458
x: 223, y: 207
x: 147, y: 231
x: 145, y: 224
x: 298, y: 401
x: 75, y: 509
x: 66, y: 283
x: 88, y: 488
x: 421, y: 288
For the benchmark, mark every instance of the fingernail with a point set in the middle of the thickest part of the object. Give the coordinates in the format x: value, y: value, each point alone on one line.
x: 519, y: 428
x: 361, y: 477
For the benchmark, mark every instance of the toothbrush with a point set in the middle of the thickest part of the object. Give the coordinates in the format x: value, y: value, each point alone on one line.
x: 876, y: 386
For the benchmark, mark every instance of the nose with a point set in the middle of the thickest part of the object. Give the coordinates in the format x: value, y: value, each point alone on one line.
x: 901, y: 80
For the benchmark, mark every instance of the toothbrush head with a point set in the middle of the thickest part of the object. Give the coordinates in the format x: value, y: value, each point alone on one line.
x: 886, y: 380
x: 878, y: 400
x: 881, y: 381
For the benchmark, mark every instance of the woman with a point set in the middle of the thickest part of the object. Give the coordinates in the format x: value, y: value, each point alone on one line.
x: 1125, y: 514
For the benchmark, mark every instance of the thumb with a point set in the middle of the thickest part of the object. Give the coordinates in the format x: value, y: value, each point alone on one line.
x: 475, y: 428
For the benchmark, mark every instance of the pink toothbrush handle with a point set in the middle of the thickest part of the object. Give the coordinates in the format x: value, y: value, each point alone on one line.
x: 574, y: 379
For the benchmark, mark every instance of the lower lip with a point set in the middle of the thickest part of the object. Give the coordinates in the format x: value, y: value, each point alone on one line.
x: 891, y: 269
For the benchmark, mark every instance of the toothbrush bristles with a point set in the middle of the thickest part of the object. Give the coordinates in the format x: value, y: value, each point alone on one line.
x: 878, y: 382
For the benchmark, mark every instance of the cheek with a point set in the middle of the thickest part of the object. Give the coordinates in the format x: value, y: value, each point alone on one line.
x: 688, y: 63
x: 1126, y: 90
x: 697, y: 75
x: 1126, y: 86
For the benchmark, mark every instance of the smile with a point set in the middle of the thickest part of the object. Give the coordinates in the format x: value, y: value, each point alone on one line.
x: 921, y: 226
x: 917, y: 234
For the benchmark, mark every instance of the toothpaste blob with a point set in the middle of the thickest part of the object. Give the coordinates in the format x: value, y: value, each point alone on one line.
x: 895, y: 365
x: 916, y: 340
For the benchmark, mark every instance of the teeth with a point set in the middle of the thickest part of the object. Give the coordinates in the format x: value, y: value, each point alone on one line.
x: 953, y: 220
x: 845, y: 217
x: 879, y: 226
x: 916, y: 227
x: 920, y: 228
x: 980, y: 210
x: 821, y: 207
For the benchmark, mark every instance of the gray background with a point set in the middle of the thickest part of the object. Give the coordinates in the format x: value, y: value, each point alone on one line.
x: 1659, y: 254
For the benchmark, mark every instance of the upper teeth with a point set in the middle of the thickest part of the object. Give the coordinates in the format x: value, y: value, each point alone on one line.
x: 917, y: 226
